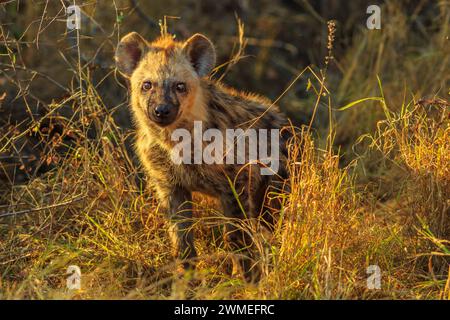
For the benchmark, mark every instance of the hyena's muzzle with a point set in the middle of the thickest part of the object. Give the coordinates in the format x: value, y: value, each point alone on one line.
x: 164, y: 108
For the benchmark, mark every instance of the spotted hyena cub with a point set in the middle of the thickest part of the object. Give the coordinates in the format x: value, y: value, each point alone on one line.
x: 172, y: 96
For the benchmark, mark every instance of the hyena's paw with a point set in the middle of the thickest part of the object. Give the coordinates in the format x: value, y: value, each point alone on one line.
x: 185, y: 263
x: 247, y: 268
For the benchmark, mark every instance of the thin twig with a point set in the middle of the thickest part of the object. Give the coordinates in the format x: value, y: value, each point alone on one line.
x: 142, y: 14
x: 65, y: 203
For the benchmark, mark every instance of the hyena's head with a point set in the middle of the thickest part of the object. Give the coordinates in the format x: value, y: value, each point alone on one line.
x: 165, y: 76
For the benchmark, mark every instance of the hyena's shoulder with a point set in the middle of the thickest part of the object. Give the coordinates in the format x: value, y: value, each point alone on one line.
x: 239, y: 109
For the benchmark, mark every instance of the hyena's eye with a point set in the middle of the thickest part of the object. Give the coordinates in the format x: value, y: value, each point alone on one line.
x: 180, y: 87
x: 146, y: 85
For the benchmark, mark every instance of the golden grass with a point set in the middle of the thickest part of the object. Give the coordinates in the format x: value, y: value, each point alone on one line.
x: 329, y: 231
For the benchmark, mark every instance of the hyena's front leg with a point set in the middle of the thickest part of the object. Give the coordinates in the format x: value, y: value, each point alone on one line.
x: 239, y: 240
x: 180, y: 229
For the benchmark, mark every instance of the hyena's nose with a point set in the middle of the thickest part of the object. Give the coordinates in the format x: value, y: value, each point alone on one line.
x: 162, y: 111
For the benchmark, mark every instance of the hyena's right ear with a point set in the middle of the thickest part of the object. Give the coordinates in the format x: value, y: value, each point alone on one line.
x: 129, y: 52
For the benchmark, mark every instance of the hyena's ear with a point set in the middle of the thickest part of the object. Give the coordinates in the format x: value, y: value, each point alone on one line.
x: 201, y: 53
x: 129, y: 52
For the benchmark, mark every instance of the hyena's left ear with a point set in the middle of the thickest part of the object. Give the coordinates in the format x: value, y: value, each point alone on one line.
x: 201, y: 53
x: 129, y: 52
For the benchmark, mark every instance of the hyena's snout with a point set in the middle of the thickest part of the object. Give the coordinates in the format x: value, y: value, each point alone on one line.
x: 163, y: 114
